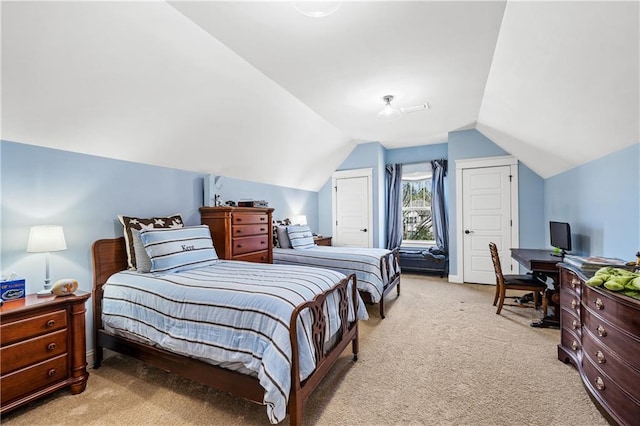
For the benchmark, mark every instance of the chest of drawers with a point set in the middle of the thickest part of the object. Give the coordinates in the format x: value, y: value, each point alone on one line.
x: 42, y: 348
x: 240, y: 233
x: 600, y: 336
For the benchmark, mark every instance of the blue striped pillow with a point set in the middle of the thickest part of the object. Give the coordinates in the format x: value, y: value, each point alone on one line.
x: 173, y: 250
x: 300, y: 237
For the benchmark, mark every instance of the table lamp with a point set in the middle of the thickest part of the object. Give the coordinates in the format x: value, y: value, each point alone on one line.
x: 301, y: 220
x: 45, y: 239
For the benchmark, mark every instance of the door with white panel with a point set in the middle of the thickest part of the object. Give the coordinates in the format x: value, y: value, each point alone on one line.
x: 353, y: 209
x: 486, y: 217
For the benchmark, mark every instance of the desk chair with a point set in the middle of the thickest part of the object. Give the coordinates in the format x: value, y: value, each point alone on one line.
x: 515, y: 282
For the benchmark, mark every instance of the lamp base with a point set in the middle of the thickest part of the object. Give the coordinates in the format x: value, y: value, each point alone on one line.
x: 44, y: 293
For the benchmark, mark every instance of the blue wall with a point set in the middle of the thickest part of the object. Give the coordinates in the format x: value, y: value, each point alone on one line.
x: 601, y: 201
x: 84, y: 194
x: 473, y: 144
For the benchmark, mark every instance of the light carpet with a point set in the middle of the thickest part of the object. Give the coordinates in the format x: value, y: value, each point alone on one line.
x: 441, y: 357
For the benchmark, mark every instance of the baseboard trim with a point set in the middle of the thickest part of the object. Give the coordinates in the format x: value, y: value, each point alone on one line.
x: 455, y: 279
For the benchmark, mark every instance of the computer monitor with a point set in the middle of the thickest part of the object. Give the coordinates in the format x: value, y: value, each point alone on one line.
x: 560, y: 233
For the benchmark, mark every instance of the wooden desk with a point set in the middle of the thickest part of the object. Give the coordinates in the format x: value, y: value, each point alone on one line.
x: 543, y: 265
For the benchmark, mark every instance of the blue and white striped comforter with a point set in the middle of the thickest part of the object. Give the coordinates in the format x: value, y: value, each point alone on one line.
x: 229, y: 313
x: 364, y: 262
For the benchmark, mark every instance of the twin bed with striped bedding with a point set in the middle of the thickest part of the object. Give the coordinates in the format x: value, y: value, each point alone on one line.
x: 265, y: 332
x: 377, y: 270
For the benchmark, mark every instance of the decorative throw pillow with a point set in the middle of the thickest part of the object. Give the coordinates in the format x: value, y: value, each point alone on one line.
x: 300, y: 237
x: 143, y: 263
x: 180, y: 249
x: 130, y: 223
x: 283, y: 237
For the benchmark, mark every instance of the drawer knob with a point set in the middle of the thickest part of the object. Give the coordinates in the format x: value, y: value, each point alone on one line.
x: 51, y: 346
x: 51, y: 323
x: 263, y: 229
x: 263, y: 218
x: 599, y: 303
x: 262, y: 242
x: 574, y: 303
x: 599, y: 383
x: 574, y: 345
x: 239, y: 245
x: 575, y: 324
x: 601, y: 331
x: 51, y: 372
x: 574, y: 283
x: 600, y: 357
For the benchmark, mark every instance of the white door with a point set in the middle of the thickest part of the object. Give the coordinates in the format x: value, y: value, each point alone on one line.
x: 353, y: 209
x: 486, y: 217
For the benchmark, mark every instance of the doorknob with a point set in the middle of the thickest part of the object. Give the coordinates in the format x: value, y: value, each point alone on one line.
x: 466, y: 231
x: 364, y: 230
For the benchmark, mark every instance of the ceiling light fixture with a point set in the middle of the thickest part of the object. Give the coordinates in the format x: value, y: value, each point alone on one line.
x: 317, y: 8
x: 389, y: 112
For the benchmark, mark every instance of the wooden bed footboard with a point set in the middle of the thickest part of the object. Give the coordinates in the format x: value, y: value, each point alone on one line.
x: 390, y: 263
x: 109, y: 257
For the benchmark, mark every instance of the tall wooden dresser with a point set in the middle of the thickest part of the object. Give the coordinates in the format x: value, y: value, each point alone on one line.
x: 600, y: 336
x: 240, y: 233
x: 43, y: 347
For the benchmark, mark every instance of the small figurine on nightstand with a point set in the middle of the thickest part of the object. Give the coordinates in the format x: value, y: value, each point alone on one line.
x: 64, y: 287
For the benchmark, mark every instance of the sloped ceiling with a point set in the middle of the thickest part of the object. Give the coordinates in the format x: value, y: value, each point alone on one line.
x: 257, y: 91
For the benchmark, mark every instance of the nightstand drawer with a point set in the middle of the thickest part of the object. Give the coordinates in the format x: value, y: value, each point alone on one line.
x: 34, y: 326
x: 249, y: 244
x: 246, y: 230
x: 32, y: 351
x: 37, y: 376
x: 248, y: 218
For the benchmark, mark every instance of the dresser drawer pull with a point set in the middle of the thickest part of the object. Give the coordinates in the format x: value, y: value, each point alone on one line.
x: 575, y: 324
x: 599, y: 383
x: 51, y: 323
x: 600, y: 357
x: 263, y: 218
x: 51, y: 372
x: 574, y: 345
x: 574, y: 303
x: 601, y: 331
x: 239, y: 245
x: 51, y: 346
x: 263, y: 242
x: 263, y: 229
x: 599, y: 303
x: 574, y: 283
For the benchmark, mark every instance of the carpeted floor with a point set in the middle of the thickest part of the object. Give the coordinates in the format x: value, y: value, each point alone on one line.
x: 442, y: 356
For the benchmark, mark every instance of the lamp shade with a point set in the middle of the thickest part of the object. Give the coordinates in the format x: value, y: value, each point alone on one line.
x: 389, y: 112
x: 301, y: 220
x: 46, y: 238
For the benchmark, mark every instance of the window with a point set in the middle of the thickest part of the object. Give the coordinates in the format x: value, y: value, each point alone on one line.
x: 417, y: 227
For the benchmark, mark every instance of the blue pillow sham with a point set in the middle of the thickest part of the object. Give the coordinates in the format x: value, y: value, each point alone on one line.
x: 181, y: 249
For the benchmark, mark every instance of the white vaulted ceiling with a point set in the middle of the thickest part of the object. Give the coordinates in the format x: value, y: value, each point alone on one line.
x: 257, y: 91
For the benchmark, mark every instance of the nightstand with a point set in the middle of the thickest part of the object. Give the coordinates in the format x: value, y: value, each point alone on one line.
x: 42, y: 347
x: 322, y: 241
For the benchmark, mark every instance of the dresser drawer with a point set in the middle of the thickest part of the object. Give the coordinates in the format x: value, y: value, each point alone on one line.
x: 32, y: 351
x: 610, y: 363
x: 614, y: 309
x: 625, y: 345
x: 33, y: 326
x: 570, y: 281
x: 243, y: 218
x: 246, y: 230
x: 570, y: 340
x: 624, y: 406
x: 29, y: 379
x: 570, y: 321
x: 570, y: 301
x: 249, y: 244
x: 258, y: 256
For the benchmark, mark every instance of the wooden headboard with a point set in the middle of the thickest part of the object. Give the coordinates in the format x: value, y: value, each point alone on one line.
x: 109, y: 256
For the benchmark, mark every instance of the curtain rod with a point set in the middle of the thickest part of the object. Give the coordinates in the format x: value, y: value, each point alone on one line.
x: 418, y: 162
